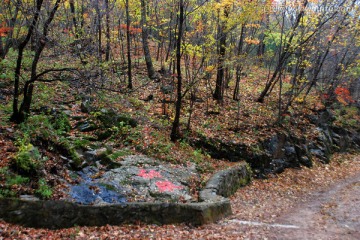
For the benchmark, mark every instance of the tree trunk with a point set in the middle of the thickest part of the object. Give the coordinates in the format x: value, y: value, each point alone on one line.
x: 170, y: 39
x: 73, y: 14
x: 29, y: 85
x: 99, y: 30
x: 108, y: 49
x: 18, y: 116
x: 238, y: 66
x: 219, y: 88
x: 175, y: 132
x: 145, y: 42
x: 130, y: 85
x: 283, y: 56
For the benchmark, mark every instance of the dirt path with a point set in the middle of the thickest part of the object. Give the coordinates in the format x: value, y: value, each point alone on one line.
x: 333, y: 214
x: 330, y: 214
x: 318, y: 203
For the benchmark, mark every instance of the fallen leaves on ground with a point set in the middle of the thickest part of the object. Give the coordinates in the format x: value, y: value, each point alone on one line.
x: 262, y: 200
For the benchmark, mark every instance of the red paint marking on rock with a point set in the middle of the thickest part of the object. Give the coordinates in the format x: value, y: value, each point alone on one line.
x: 166, y: 186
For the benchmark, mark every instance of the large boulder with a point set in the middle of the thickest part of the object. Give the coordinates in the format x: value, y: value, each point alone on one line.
x: 137, y: 178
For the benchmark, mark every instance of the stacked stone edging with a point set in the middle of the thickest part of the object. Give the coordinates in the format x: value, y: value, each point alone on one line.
x: 56, y: 214
x: 225, y: 183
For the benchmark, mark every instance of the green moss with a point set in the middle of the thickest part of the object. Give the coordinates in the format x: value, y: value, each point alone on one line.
x: 120, y: 153
x: 44, y: 95
x: 80, y: 143
x: 136, y: 102
x: 77, y: 161
x: 244, y: 181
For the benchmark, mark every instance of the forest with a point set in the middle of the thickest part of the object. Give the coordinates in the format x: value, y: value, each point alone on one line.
x: 203, y: 83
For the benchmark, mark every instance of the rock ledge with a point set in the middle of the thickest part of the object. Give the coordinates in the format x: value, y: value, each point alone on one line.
x: 213, y: 206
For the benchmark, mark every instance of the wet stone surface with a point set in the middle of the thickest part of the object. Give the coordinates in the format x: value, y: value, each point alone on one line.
x: 90, y: 191
x: 139, y: 179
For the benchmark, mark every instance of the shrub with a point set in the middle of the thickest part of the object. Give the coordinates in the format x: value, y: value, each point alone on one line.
x: 347, y: 116
x: 47, y: 131
x: 9, y: 179
x: 16, y: 180
x: 61, y: 123
x: 43, y: 191
x: 28, y: 159
x: 38, y: 126
x: 7, y: 193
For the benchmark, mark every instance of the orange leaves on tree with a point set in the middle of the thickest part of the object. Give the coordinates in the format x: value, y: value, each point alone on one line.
x: 133, y: 30
x: 4, y: 31
x: 343, y: 95
x: 252, y: 41
x: 199, y: 26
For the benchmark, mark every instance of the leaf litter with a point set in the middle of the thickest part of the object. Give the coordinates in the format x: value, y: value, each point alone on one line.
x: 264, y: 200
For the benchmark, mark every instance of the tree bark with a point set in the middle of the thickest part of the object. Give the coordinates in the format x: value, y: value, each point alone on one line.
x: 99, y: 30
x: 18, y: 116
x: 130, y: 85
x: 73, y: 13
x: 145, y: 42
x: 29, y: 85
x: 239, y: 66
x: 108, y: 48
x: 175, y: 132
x: 219, y: 88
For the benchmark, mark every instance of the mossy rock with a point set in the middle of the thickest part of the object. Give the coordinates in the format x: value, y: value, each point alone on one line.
x: 109, y: 118
x: 106, y: 159
x: 103, y: 134
x: 27, y: 161
x: 86, y: 126
x: 77, y: 161
x: 128, y: 121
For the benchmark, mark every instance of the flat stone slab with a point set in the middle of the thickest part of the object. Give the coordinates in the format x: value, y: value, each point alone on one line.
x: 138, y: 179
x: 62, y: 214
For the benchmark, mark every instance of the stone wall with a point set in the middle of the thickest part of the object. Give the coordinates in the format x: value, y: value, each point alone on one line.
x: 60, y: 214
